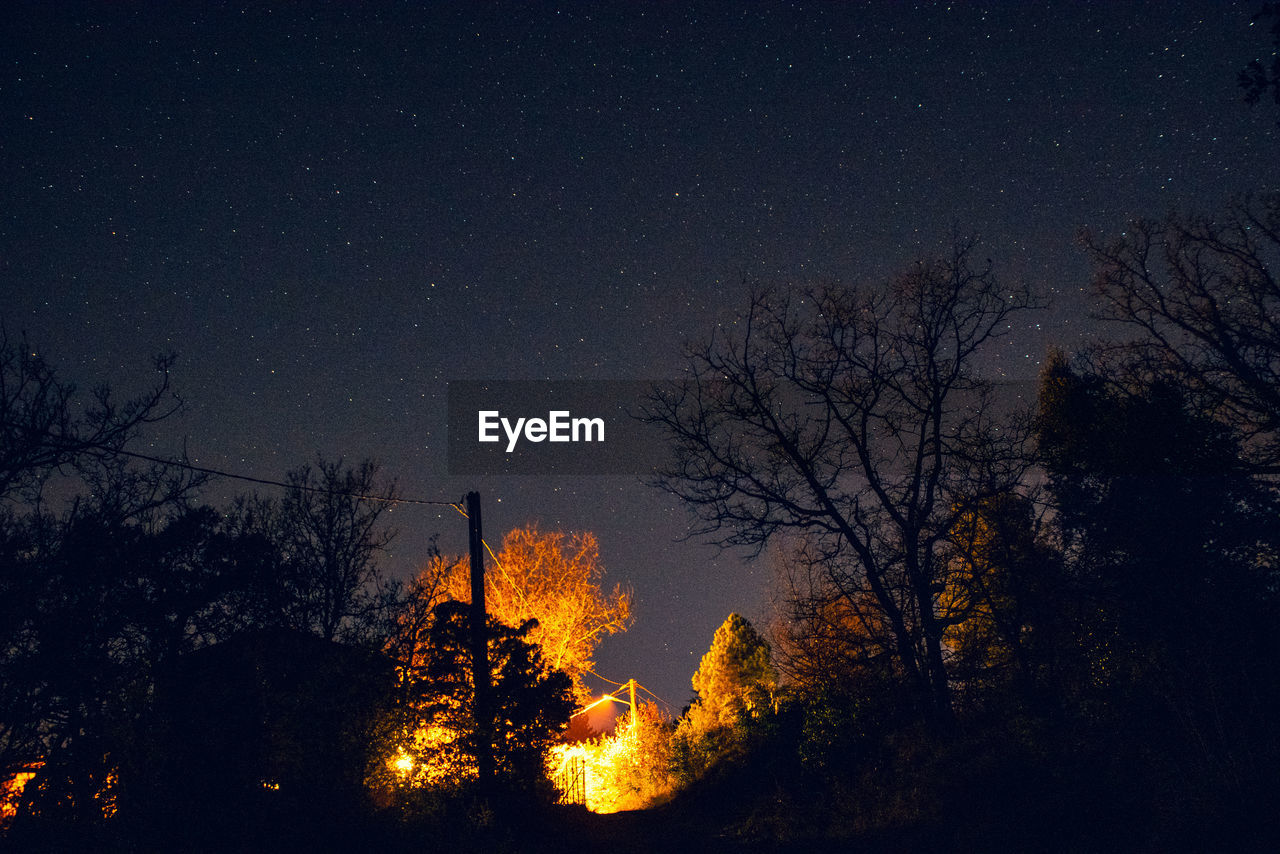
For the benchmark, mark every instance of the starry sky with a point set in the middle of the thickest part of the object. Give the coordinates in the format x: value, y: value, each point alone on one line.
x: 328, y: 211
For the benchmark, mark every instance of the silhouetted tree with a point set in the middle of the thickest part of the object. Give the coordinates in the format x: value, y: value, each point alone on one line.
x: 109, y: 603
x: 531, y: 704
x: 823, y: 637
x: 45, y: 426
x: 1258, y: 76
x: 88, y: 600
x: 328, y: 532
x: 1203, y: 297
x: 998, y: 597
x: 854, y: 418
x: 412, y: 609
x: 272, y: 726
x: 1170, y: 548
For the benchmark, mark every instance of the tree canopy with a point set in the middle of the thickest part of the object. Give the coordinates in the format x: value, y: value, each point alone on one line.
x: 556, y: 579
x: 736, y: 674
x: 855, y: 419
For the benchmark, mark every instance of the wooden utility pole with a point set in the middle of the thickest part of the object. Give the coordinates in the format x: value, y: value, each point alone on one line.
x: 479, y: 645
x: 635, y: 711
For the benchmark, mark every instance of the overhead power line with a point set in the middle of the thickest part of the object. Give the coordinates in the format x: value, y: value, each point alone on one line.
x: 602, y: 678
x: 668, y: 706
x: 182, y: 464
x: 456, y: 505
x: 656, y: 697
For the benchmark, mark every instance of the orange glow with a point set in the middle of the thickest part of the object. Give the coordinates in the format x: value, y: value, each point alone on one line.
x: 607, y: 698
x: 607, y: 761
x: 11, y: 792
x: 431, y: 756
x: 555, y: 578
x: 623, y: 771
x: 107, y: 795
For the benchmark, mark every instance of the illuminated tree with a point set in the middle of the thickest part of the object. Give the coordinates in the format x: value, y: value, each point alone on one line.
x: 855, y: 418
x: 531, y: 704
x: 735, y: 676
x: 734, y: 682
x: 556, y: 579
x: 626, y: 770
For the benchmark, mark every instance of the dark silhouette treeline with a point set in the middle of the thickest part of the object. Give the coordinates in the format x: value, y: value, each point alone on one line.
x: 1012, y: 628
x: 175, y: 676
x: 1002, y: 626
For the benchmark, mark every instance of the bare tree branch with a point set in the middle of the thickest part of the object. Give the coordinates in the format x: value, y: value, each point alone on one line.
x: 855, y: 420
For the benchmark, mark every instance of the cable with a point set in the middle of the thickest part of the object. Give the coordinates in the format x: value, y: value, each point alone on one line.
x: 456, y: 505
x: 492, y: 555
x: 668, y: 706
x: 655, y: 696
x: 488, y: 548
x: 266, y: 482
x: 610, y: 681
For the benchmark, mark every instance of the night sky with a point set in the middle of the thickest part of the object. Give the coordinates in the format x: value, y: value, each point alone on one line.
x: 329, y: 211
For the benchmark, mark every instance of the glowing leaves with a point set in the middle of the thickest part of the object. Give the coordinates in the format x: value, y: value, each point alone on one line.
x: 555, y: 578
x: 623, y: 771
x: 735, y: 675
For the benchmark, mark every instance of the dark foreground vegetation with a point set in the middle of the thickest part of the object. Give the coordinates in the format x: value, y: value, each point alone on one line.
x: 1052, y: 629
x: 1049, y: 627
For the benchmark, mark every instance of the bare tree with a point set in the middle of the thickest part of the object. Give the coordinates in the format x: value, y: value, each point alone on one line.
x: 88, y: 595
x: 414, y: 608
x: 821, y: 636
x: 45, y: 425
x: 330, y: 530
x: 854, y: 418
x: 1203, y: 297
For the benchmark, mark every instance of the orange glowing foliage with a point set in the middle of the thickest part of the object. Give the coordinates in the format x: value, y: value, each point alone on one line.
x: 978, y: 604
x: 555, y: 578
x: 11, y: 793
x: 432, y: 755
x: 734, y: 676
x: 623, y: 771
x: 106, y: 795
